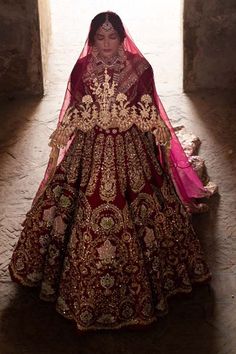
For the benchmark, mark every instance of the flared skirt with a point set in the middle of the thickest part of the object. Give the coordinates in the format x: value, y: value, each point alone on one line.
x: 109, y: 240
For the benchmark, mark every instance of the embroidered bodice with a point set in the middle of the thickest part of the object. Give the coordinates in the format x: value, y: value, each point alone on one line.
x: 117, y: 97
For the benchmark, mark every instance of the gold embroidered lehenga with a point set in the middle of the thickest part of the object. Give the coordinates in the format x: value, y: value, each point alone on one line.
x: 108, y: 239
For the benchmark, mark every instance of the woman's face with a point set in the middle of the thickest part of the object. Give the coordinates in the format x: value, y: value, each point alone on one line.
x: 107, y: 42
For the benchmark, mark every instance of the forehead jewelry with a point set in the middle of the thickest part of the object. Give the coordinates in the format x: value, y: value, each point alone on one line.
x: 107, y: 26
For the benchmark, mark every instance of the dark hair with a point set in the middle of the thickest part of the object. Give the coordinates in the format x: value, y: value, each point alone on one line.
x: 98, y: 21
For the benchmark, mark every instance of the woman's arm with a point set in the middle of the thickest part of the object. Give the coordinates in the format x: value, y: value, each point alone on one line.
x: 146, y: 86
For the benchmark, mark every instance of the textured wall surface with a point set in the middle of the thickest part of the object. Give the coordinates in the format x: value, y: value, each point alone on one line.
x: 209, y: 44
x: 20, y: 50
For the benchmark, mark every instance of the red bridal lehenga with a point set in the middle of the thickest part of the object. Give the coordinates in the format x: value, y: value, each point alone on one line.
x: 108, y: 237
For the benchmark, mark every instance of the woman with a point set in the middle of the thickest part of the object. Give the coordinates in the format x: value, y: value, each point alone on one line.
x: 108, y: 237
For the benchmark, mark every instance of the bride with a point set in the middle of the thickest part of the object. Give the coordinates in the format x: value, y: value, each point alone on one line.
x: 108, y: 237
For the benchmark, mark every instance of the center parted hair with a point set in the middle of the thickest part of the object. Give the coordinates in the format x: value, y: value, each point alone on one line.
x: 100, y: 19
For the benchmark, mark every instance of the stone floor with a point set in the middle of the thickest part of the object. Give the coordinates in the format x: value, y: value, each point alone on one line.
x: 204, y: 322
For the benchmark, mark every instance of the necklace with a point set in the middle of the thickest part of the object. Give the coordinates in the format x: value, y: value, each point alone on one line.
x: 106, y: 62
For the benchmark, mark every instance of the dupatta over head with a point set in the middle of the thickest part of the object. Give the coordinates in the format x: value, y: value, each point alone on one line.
x: 187, y: 183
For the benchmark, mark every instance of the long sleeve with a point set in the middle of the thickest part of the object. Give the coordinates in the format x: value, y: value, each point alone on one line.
x: 146, y: 86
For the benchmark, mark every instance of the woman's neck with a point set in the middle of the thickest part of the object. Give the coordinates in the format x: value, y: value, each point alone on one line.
x: 108, y: 61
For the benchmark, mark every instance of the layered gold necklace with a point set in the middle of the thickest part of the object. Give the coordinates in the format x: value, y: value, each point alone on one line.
x: 109, y: 62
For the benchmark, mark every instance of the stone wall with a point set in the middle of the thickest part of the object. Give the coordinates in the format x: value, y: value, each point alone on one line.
x: 21, y: 62
x: 209, y: 44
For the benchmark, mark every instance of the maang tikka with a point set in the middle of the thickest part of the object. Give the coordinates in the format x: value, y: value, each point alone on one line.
x: 107, y: 26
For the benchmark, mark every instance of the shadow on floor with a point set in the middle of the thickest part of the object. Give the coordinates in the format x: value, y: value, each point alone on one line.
x: 15, y: 115
x: 31, y: 326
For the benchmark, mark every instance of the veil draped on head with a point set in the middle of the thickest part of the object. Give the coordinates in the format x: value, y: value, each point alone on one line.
x: 187, y: 183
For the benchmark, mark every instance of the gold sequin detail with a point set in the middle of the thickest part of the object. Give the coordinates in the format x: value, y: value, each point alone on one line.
x: 127, y: 217
x: 168, y: 191
x: 84, y: 210
x: 108, y: 180
x: 87, y: 157
x: 72, y: 172
x: 150, y: 150
x: 135, y: 171
x: 120, y: 159
x: 106, y: 109
x: 143, y: 209
x: 107, y: 219
x: 96, y: 165
x: 141, y: 152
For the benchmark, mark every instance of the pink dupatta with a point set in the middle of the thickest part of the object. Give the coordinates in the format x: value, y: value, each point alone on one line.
x: 187, y: 183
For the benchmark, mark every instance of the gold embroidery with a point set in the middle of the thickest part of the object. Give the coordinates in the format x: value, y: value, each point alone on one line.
x: 83, y: 210
x: 87, y: 157
x: 103, y: 93
x: 97, y: 155
x: 118, y: 273
x: 60, y: 137
x: 107, y: 219
x: 110, y: 111
x: 141, y: 152
x: 87, y: 115
x: 143, y: 208
x: 135, y: 171
x: 127, y: 217
x: 131, y: 72
x: 168, y: 191
x: 74, y: 163
x: 108, y: 180
x: 107, y: 252
x: 120, y: 158
x: 151, y: 153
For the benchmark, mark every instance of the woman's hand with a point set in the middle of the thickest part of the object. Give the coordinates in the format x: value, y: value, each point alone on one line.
x: 60, y: 137
x: 162, y: 133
